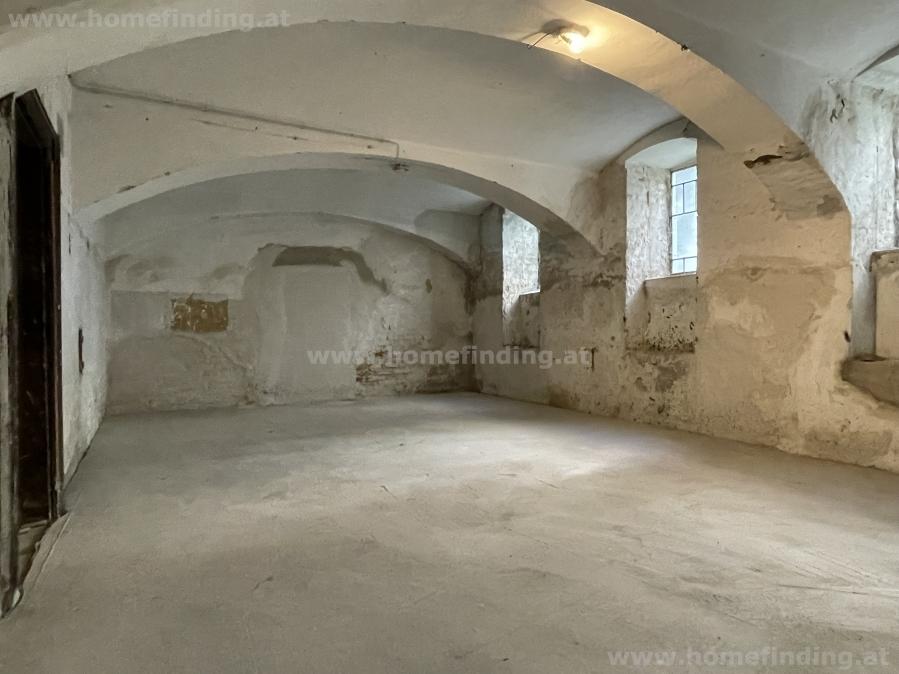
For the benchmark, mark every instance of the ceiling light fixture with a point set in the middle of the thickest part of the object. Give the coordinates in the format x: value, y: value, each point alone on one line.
x: 575, y: 37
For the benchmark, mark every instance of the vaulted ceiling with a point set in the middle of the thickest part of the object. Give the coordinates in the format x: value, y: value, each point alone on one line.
x: 445, y: 88
x: 445, y: 216
x: 461, y: 77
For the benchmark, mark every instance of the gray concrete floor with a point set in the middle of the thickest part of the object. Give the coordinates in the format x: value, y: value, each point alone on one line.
x: 456, y: 533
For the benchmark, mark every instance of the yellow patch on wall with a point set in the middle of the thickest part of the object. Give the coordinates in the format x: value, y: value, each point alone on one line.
x: 195, y: 315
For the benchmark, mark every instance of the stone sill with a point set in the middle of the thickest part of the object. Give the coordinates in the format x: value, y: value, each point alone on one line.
x: 885, y: 261
x: 521, y: 327
x: 877, y: 376
x: 661, y: 295
x: 684, y: 282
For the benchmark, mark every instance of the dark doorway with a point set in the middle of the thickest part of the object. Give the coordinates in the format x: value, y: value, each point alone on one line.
x: 34, y: 330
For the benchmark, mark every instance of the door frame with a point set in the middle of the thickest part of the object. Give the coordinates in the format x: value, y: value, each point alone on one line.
x: 32, y: 108
x: 28, y: 109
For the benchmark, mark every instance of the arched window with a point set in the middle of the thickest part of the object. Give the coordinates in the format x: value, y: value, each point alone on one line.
x: 521, y: 281
x: 663, y: 252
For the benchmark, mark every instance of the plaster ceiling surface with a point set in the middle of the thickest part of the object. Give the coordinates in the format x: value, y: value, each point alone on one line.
x: 781, y: 50
x: 830, y: 34
x: 890, y: 66
x: 884, y: 74
x: 835, y: 36
x: 445, y: 88
x: 374, y: 195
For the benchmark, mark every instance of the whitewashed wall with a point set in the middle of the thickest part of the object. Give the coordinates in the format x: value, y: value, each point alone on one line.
x: 773, y: 320
x: 290, y: 288
x: 85, y: 303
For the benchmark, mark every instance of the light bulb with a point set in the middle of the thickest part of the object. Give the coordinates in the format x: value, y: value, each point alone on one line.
x: 575, y: 38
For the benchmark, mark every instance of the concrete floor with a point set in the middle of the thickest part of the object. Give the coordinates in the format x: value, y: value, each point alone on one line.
x: 455, y: 533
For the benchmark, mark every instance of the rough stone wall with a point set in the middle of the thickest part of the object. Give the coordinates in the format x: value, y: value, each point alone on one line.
x: 885, y: 268
x: 669, y: 319
x: 582, y: 308
x: 355, y: 288
x: 765, y: 349
x: 854, y: 132
x: 649, y: 244
x: 661, y: 310
x: 521, y: 324
x: 85, y: 318
x: 770, y: 318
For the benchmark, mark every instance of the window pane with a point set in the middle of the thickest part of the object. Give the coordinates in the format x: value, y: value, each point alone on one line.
x: 521, y: 256
x: 689, y: 192
x: 683, y: 176
x: 677, y: 200
x: 684, y: 220
x: 683, y: 235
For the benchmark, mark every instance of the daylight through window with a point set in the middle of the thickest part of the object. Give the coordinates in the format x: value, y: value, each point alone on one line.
x: 684, y: 220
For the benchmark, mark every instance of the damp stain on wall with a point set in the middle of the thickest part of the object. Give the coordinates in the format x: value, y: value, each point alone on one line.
x: 191, y: 314
x: 330, y: 257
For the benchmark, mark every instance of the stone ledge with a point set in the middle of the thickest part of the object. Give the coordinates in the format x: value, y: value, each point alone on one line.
x: 521, y: 326
x: 877, y: 376
x: 683, y: 282
x: 885, y: 261
x: 885, y: 270
x: 667, y: 315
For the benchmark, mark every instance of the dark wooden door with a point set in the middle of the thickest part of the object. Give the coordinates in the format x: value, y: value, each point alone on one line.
x: 31, y: 447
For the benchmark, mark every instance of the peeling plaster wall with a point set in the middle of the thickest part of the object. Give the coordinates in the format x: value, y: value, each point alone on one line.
x: 854, y: 132
x: 84, y: 299
x: 769, y: 313
x: 289, y: 289
x: 669, y: 321
x: 649, y: 244
x: 885, y: 268
x: 581, y: 305
x: 661, y: 310
x: 770, y: 329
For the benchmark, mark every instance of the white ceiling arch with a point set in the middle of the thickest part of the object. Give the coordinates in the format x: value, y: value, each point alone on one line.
x: 132, y: 235
x: 457, y: 177
x: 214, y: 255
x: 625, y: 48
x: 781, y: 50
x: 444, y: 217
x: 115, y: 167
x: 884, y: 72
x: 440, y: 87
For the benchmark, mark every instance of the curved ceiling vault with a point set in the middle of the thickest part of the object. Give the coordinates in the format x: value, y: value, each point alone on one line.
x: 471, y: 105
x: 627, y: 49
x: 780, y: 50
x: 392, y: 81
x: 274, y: 202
